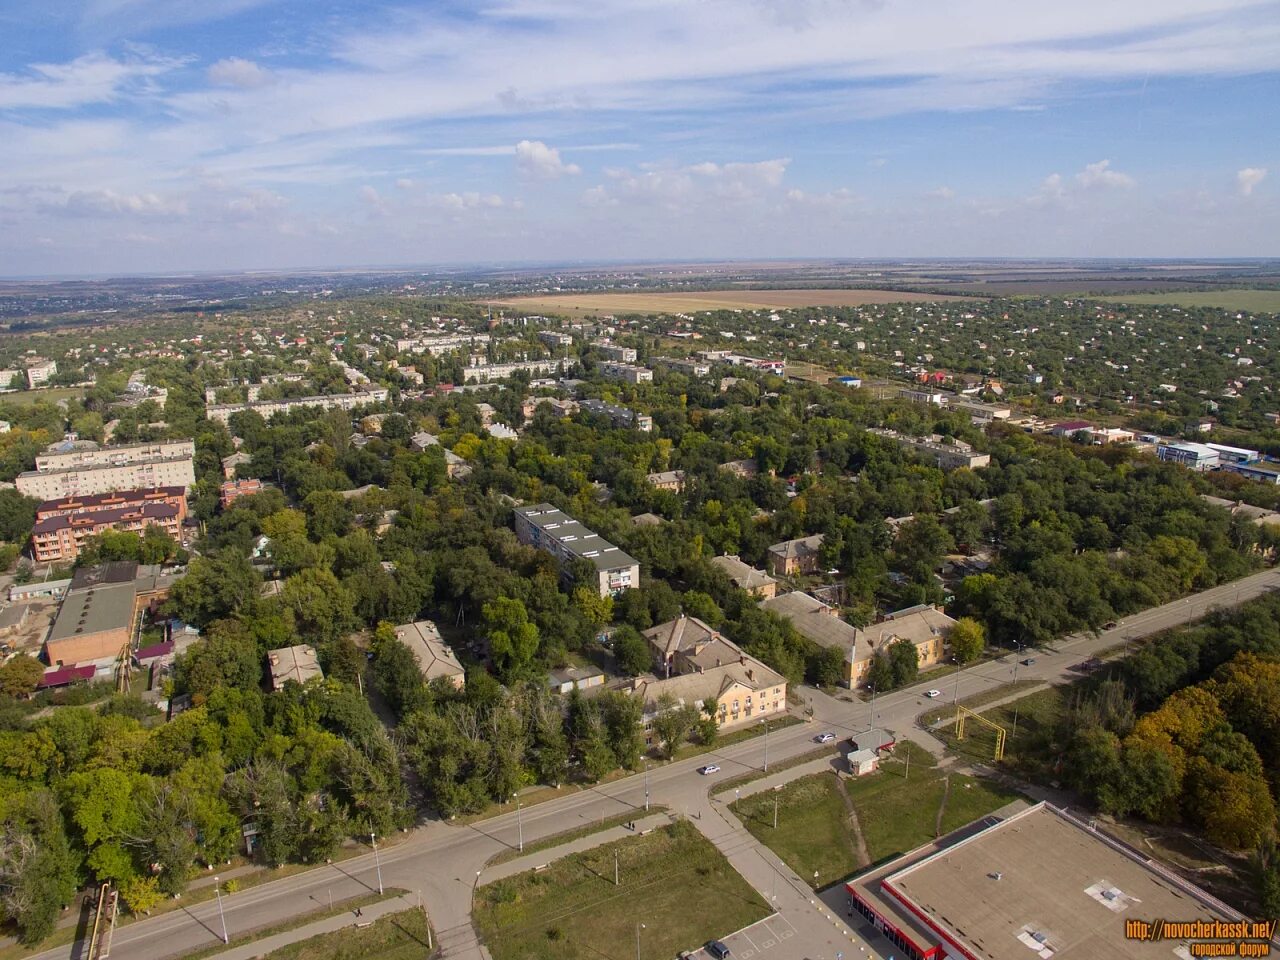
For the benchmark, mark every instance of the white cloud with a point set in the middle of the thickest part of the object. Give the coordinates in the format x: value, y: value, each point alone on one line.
x: 404, y: 183
x: 942, y: 193
x: 1248, y: 178
x: 92, y: 78
x: 237, y: 72
x: 111, y: 203
x: 1100, y: 174
x: 535, y: 159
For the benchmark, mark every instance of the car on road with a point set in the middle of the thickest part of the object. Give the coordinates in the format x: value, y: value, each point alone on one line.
x: 717, y: 949
x: 824, y: 738
x: 1110, y: 625
x: 1028, y: 661
x: 933, y: 694
x: 709, y: 769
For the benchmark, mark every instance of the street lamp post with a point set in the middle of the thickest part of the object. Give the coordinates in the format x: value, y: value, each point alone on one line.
x: 766, y: 745
x: 646, y: 784
x: 955, y: 698
x: 871, y: 720
x: 519, y: 821
x: 217, y: 892
x: 615, y: 866
x: 775, y: 806
x: 377, y: 861
x: 639, y: 927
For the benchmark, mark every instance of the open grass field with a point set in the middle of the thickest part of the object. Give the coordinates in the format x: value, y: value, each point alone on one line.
x: 673, y: 881
x: 896, y: 810
x: 1254, y: 301
x: 52, y: 395
x: 397, y: 936
x: 812, y: 833
x: 595, y: 304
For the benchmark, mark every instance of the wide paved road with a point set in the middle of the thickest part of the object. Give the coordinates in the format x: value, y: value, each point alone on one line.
x: 444, y: 862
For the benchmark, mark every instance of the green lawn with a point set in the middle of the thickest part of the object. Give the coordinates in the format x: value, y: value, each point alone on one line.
x: 52, y: 395
x: 812, y: 832
x: 1260, y: 301
x: 1028, y: 744
x: 673, y: 881
x: 397, y: 936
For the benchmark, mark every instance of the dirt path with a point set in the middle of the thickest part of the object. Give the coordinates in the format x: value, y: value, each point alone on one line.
x: 860, y: 852
x: 942, y: 807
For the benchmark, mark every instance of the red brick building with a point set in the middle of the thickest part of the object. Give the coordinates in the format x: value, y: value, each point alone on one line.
x: 62, y: 525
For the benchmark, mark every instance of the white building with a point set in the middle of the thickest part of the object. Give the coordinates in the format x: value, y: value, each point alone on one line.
x: 38, y: 374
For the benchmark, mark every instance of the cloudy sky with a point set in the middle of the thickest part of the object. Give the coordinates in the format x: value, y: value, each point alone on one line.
x: 163, y: 135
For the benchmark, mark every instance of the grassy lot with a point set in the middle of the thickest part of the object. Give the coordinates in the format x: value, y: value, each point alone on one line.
x: 897, y: 810
x: 948, y: 712
x: 52, y: 395
x: 1027, y: 746
x: 397, y: 936
x: 673, y: 881
x: 813, y: 831
x: 1258, y: 301
x: 724, y: 786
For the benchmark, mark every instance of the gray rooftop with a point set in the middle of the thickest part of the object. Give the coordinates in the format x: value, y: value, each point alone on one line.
x: 576, y: 538
x: 95, y: 610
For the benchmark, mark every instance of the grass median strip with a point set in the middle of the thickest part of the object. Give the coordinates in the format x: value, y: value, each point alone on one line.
x: 568, y: 836
x: 675, y: 892
x: 397, y: 936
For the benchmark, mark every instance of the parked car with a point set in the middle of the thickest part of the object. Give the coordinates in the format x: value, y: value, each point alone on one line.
x: 717, y: 949
x: 824, y: 738
x: 932, y: 694
x: 1028, y: 661
x: 1110, y: 625
x: 710, y: 768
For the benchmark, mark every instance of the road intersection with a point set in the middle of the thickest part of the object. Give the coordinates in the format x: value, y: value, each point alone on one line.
x: 444, y: 862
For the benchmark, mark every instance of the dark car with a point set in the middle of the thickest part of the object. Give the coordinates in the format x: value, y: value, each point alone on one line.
x: 1028, y: 661
x: 717, y: 949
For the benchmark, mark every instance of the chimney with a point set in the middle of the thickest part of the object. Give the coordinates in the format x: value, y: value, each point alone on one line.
x: 751, y: 674
x: 742, y: 661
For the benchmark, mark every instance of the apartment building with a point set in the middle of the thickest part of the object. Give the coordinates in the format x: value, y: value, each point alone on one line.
x: 439, y: 346
x: 755, y: 582
x: 672, y: 480
x: 689, y: 367
x: 611, y: 351
x: 82, y: 469
x: 935, y: 397
x: 232, y: 490
x: 945, y: 454
x: 488, y: 372
x: 548, y: 528
x: 625, y: 372
x: 555, y: 339
x: 435, y: 658
x: 62, y: 526
x: 620, y: 416
x: 792, y: 557
x: 222, y: 412
x: 39, y: 373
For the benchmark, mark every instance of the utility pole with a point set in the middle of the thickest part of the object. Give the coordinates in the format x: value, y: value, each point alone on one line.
x: 646, y: 784
x: 639, y: 927
x: 615, y: 866
x: 775, y: 807
x: 766, y: 745
x: 373, y: 839
x: 217, y: 892
x: 519, y: 821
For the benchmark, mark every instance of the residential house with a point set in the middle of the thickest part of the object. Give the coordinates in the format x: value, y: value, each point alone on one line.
x: 820, y: 623
x: 793, y: 557
x: 435, y: 658
x: 672, y: 480
x: 755, y: 582
x: 297, y: 663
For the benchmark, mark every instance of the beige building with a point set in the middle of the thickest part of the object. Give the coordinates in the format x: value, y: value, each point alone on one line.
x: 38, y: 374
x: 756, y: 582
x: 924, y: 626
x: 297, y: 663
x: 672, y: 480
x: 625, y: 372
x: 698, y: 663
x: 86, y: 453
x: 792, y: 557
x: 435, y: 657
x: 222, y: 412
x: 548, y: 528
x: 820, y: 623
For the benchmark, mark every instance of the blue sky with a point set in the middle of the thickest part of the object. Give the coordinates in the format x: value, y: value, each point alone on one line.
x: 170, y: 135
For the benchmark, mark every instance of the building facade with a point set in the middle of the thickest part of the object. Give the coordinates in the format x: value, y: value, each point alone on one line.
x: 88, y: 470
x: 625, y: 372
x: 548, y: 528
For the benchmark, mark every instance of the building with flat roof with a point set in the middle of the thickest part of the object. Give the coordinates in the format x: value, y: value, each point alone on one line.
x: 756, y: 582
x: 549, y: 528
x: 435, y: 657
x: 222, y: 412
x: 565, y: 680
x: 1228, y: 454
x: 1261, y: 470
x: 945, y: 454
x: 297, y: 663
x: 618, y: 415
x: 93, y: 624
x: 39, y: 374
x: 625, y: 372
x: 1038, y: 883
x: 488, y: 372
x: 87, y: 453
x: 935, y: 397
x: 611, y: 351
x: 1194, y: 456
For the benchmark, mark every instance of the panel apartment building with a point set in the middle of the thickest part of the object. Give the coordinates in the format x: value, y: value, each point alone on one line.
x: 268, y: 408
x: 626, y: 372
x: 82, y: 468
x: 63, y: 525
x: 484, y: 373
x: 549, y: 528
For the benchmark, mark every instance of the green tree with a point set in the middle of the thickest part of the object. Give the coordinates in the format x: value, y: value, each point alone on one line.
x: 631, y: 651
x: 20, y: 676
x: 968, y: 638
x: 827, y: 667
x: 904, y: 662
x: 513, y: 640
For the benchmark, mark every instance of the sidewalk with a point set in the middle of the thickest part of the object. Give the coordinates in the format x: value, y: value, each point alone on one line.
x: 260, y: 948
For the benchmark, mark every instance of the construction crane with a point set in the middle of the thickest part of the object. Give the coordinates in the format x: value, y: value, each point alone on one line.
x: 963, y: 713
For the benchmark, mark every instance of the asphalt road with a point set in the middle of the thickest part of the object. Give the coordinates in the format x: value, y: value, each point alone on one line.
x: 444, y: 862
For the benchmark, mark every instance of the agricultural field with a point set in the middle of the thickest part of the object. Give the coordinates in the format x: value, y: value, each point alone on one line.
x: 595, y: 304
x: 572, y: 909
x: 1253, y: 301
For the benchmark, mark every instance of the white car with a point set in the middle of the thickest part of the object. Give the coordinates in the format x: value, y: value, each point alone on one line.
x: 710, y: 768
x: 933, y: 693
x: 824, y: 738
